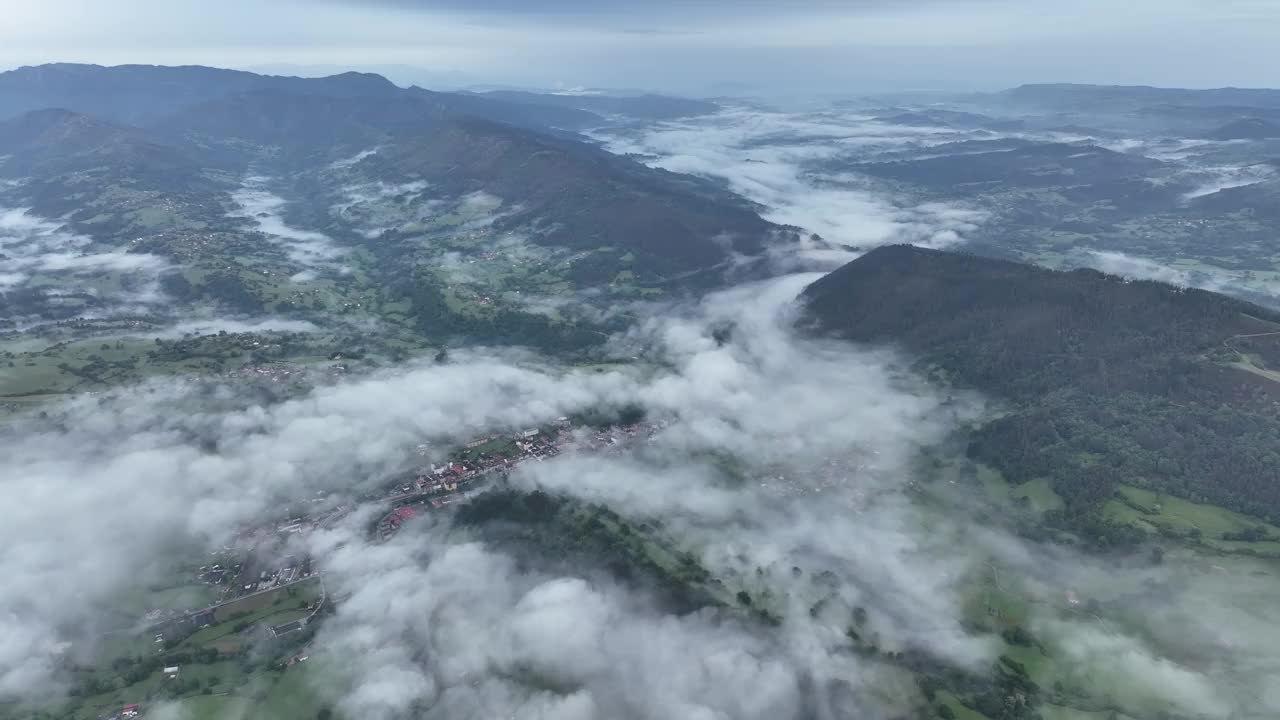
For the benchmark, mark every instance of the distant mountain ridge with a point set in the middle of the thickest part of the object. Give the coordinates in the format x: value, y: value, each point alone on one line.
x: 645, y: 106
x: 144, y: 94
x: 1101, y: 95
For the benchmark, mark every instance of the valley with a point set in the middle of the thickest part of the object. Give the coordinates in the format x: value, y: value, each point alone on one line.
x: 356, y: 400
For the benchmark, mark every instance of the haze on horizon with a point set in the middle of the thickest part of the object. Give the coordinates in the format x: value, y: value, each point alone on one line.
x: 764, y: 47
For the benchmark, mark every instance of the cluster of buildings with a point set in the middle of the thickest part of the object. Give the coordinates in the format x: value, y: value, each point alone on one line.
x: 128, y: 712
x: 276, y: 372
x: 442, y: 485
x: 393, y: 520
x: 432, y: 487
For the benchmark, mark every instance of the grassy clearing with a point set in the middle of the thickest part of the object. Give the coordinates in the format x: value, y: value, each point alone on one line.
x: 498, y: 446
x: 1154, y: 512
x: 1060, y: 712
x: 126, y: 644
x: 273, y: 608
x: 961, y: 711
x: 214, y: 707
x: 1038, y: 494
x: 292, y: 695
x: 1253, y: 365
x: 269, y: 695
x: 178, y: 597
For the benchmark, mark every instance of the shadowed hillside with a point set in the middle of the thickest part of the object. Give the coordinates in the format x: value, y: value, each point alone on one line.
x: 1110, y: 380
x: 578, y: 195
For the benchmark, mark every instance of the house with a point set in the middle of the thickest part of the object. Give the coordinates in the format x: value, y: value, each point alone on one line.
x: 129, y: 711
x: 171, y: 671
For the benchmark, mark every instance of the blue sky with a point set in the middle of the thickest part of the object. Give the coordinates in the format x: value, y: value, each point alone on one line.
x: 798, y: 46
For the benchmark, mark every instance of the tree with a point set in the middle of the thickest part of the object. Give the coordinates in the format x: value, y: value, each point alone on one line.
x: 946, y: 713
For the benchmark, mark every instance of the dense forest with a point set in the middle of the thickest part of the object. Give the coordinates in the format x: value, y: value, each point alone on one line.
x: 1107, y: 380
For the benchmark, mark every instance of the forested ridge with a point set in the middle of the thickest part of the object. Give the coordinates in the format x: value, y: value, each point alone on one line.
x: 1108, y: 380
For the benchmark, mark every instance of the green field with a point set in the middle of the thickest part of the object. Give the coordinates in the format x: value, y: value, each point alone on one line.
x: 225, y: 667
x: 1157, y: 512
x: 277, y: 607
x: 214, y: 707
x: 1036, y: 494
x: 960, y: 710
x: 270, y: 695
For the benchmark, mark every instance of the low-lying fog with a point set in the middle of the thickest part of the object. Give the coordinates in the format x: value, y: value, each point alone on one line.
x: 438, y: 624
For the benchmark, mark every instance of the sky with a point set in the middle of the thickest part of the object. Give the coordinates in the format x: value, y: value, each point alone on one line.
x: 691, y: 46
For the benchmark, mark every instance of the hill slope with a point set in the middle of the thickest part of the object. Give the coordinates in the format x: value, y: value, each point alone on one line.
x: 1110, y: 380
x: 436, y: 217
x: 1247, y: 129
x: 573, y: 194
x: 193, y: 123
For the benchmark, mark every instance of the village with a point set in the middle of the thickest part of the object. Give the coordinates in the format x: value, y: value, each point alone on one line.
x: 265, y: 557
x: 486, y: 457
x: 265, y: 584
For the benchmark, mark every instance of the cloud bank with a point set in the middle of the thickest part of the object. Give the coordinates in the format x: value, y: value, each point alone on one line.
x: 818, y: 522
x: 776, y: 159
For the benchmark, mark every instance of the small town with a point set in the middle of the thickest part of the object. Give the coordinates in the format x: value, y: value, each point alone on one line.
x: 261, y: 560
x: 253, y: 576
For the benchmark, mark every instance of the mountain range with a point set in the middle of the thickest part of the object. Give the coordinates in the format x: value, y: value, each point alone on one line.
x: 193, y: 129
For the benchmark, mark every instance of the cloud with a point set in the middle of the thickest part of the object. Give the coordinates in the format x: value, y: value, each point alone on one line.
x: 229, y: 325
x: 32, y: 247
x: 818, y: 519
x: 779, y: 48
x: 307, y: 248
x: 1204, y: 277
x: 465, y: 633
x: 776, y: 159
x: 188, y: 472
x: 1225, y: 178
x: 438, y: 624
x: 1125, y: 668
x: 185, y: 477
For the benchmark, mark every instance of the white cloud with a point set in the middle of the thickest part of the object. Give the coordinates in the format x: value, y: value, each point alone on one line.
x: 1130, y: 671
x: 776, y: 159
x: 32, y: 246
x: 307, y: 248
x: 1204, y: 277
x: 215, y: 325
x: 138, y: 452
x: 1225, y: 178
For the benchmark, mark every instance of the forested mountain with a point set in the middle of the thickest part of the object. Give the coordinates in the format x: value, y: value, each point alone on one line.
x: 582, y: 196
x: 1109, y: 380
x: 195, y: 122
x: 47, y: 143
x: 437, y: 217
